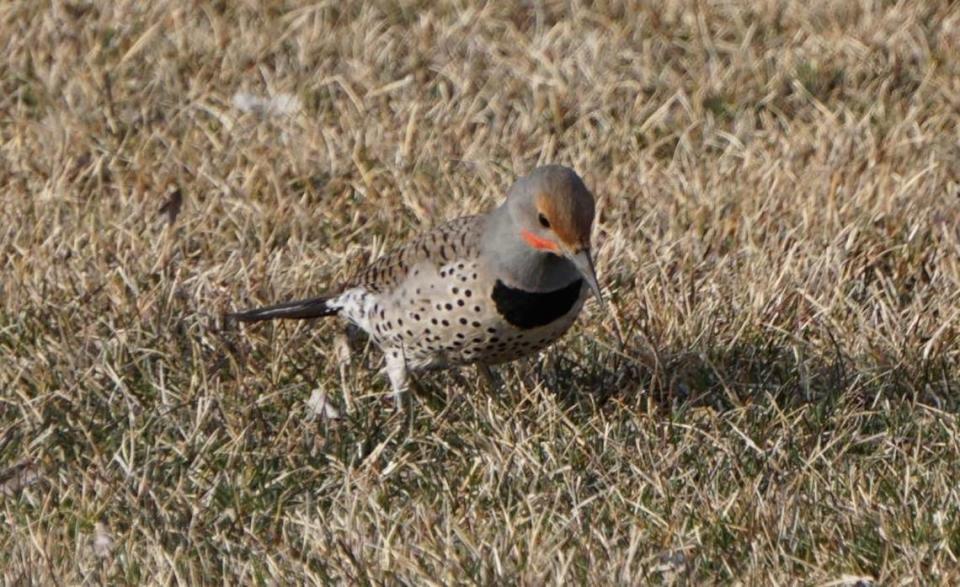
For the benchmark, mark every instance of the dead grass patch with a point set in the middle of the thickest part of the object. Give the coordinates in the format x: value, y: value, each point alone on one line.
x: 778, y: 234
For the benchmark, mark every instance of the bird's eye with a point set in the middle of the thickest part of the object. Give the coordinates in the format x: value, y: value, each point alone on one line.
x: 543, y: 221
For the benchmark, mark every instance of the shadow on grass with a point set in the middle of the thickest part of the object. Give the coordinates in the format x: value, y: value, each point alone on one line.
x: 589, y: 375
x: 726, y: 378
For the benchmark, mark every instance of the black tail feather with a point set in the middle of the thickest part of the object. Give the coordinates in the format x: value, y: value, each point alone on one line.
x: 300, y: 309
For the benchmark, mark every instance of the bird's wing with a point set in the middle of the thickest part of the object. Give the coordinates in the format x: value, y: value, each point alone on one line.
x: 456, y: 239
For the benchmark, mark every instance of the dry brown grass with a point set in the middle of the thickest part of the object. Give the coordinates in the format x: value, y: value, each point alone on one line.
x: 778, y: 238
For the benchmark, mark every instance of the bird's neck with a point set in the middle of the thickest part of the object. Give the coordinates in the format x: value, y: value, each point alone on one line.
x: 517, y: 263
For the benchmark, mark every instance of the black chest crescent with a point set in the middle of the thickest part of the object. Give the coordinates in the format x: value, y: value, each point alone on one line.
x: 526, y: 309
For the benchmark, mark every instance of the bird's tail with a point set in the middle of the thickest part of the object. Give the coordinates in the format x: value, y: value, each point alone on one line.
x: 300, y: 309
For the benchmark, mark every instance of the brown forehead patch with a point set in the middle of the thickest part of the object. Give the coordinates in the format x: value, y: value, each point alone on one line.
x: 570, y: 210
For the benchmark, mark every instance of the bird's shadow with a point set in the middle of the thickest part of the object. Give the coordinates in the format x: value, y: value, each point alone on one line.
x: 666, y: 379
x: 737, y: 375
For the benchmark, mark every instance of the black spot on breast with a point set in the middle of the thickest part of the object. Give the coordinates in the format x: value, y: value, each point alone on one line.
x: 526, y: 309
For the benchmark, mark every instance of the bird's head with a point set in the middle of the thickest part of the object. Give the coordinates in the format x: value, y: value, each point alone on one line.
x: 554, y: 211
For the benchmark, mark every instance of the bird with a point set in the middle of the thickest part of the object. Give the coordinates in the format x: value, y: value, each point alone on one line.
x: 482, y: 290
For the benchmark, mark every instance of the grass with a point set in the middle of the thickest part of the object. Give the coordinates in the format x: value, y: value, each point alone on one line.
x: 779, y: 202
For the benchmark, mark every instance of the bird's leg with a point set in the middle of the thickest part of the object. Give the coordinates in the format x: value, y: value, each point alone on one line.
x: 488, y: 377
x: 341, y: 345
x: 396, y: 369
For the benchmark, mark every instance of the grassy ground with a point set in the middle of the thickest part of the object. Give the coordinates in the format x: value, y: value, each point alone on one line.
x: 779, y: 188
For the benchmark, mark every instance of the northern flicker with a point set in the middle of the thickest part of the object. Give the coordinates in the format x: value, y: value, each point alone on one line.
x: 481, y: 290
